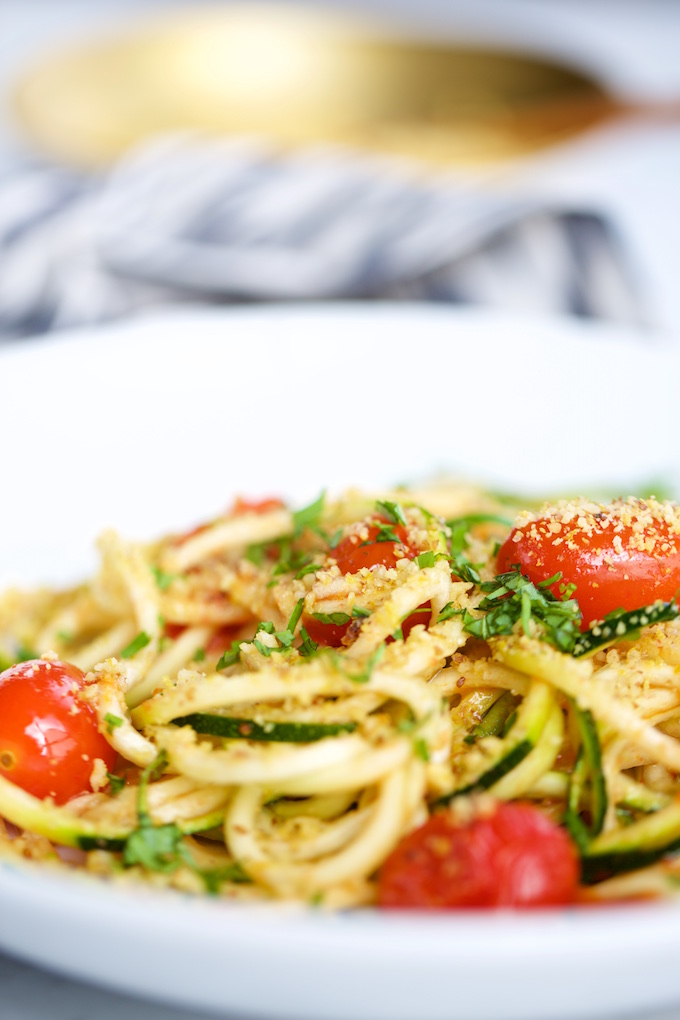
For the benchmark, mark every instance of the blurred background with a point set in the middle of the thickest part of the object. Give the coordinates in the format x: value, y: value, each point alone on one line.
x: 510, y: 153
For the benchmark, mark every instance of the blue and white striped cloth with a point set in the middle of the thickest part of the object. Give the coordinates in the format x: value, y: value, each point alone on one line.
x: 191, y: 219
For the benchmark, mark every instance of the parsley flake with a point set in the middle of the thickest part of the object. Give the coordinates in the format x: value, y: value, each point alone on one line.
x: 392, y: 511
x: 136, y: 645
x: 112, y: 721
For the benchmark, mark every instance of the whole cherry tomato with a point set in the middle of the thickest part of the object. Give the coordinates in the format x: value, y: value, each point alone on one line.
x: 355, y: 552
x: 256, y: 506
x: 48, y: 737
x: 513, y: 857
x: 624, y: 555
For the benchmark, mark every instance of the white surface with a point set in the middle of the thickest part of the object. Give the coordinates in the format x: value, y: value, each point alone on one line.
x: 150, y: 425
x: 157, y: 422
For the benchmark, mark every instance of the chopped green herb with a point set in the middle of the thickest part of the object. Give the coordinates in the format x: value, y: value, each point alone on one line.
x: 512, y: 598
x: 295, y: 615
x: 426, y: 559
x: 309, y: 568
x: 199, y: 655
x: 334, y: 539
x: 338, y: 619
x: 385, y: 534
x: 460, y: 528
x: 392, y: 511
x: 406, y: 725
x: 364, y: 675
x: 448, y: 612
x: 115, y: 782
x: 308, y: 647
x: 163, y: 580
x: 255, y: 554
x: 310, y: 515
x: 112, y: 721
x: 161, y: 848
x: 421, y: 749
x: 231, y: 656
x: 463, y: 569
x: 136, y: 645
x: 359, y: 613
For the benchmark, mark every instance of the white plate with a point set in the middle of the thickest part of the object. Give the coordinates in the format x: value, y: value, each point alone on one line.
x: 156, y: 423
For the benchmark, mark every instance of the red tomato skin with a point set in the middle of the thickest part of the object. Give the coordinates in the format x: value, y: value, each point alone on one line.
x: 49, y: 738
x: 353, y: 552
x: 608, y: 574
x: 331, y: 634
x: 515, y: 857
x: 328, y: 634
x: 256, y: 506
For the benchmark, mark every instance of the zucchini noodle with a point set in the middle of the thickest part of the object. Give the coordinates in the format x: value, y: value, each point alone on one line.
x: 282, y: 724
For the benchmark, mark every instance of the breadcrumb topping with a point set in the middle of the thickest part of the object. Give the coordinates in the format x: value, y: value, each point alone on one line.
x: 629, y: 525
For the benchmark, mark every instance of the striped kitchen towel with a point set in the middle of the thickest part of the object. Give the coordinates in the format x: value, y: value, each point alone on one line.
x: 187, y: 218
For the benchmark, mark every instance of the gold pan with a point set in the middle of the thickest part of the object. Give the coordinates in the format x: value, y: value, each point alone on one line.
x: 296, y: 77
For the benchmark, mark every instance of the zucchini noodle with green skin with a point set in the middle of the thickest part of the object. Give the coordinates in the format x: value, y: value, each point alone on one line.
x: 287, y: 696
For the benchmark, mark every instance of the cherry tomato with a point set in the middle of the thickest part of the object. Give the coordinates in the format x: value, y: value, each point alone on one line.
x: 255, y: 506
x: 329, y: 634
x: 173, y: 630
x: 515, y: 857
x: 354, y: 552
x: 241, y: 506
x: 220, y: 641
x: 48, y: 737
x: 622, y: 556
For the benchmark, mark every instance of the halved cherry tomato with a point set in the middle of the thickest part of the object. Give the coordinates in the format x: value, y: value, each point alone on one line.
x: 48, y: 737
x: 514, y: 857
x: 622, y: 556
x: 354, y: 552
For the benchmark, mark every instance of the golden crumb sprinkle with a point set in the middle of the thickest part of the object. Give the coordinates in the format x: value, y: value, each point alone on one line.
x: 633, y: 524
